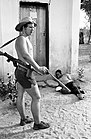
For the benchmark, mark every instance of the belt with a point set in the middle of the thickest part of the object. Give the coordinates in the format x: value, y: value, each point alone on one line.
x: 22, y: 68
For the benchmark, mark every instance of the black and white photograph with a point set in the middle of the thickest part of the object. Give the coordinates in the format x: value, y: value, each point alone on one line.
x: 45, y: 69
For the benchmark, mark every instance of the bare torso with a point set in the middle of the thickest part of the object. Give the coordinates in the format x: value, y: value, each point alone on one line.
x: 27, y: 47
x: 66, y: 78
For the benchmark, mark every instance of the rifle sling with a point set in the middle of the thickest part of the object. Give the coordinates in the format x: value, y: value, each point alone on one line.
x: 9, y: 42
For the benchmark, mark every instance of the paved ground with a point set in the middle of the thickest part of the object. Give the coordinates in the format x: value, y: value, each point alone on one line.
x: 69, y: 118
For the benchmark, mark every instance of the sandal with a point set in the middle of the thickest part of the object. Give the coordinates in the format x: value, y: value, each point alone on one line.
x: 42, y: 125
x: 27, y: 120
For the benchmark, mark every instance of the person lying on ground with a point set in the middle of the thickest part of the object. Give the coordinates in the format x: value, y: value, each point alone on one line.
x: 68, y: 82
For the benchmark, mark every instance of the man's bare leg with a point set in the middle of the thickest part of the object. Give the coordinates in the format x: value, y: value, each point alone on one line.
x: 35, y: 108
x: 35, y: 104
x: 20, y: 101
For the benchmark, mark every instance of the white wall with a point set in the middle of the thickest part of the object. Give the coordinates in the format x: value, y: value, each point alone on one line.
x: 64, y: 35
x: 8, y: 19
x: 1, y: 64
x: 75, y: 36
x: 61, y: 34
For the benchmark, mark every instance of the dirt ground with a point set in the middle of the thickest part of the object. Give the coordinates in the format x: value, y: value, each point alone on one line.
x: 69, y: 117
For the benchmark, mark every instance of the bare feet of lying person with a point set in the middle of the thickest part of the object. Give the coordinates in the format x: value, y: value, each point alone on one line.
x: 80, y: 96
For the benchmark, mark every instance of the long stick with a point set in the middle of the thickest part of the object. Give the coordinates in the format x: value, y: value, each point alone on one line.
x: 60, y: 83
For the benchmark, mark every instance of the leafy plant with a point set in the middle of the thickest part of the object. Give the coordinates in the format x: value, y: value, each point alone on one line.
x: 8, y: 90
x: 80, y: 73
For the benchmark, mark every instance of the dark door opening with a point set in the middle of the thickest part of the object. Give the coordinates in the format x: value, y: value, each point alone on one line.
x: 40, y: 38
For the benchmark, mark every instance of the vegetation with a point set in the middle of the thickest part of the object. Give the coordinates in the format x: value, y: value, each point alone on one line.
x: 8, y: 90
x: 86, y: 6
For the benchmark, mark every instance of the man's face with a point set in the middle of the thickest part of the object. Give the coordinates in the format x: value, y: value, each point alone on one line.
x: 29, y: 28
x: 58, y: 75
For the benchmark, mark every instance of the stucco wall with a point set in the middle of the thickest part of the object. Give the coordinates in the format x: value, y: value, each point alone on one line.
x: 1, y: 64
x: 75, y: 36
x: 8, y: 19
x: 63, y: 33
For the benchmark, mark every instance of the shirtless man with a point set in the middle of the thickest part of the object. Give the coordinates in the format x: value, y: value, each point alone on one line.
x: 26, y: 81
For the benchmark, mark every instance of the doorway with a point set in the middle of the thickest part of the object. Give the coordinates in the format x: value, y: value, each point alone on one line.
x: 40, y: 36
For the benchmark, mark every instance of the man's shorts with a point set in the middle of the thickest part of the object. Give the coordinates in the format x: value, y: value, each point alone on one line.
x: 20, y: 75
